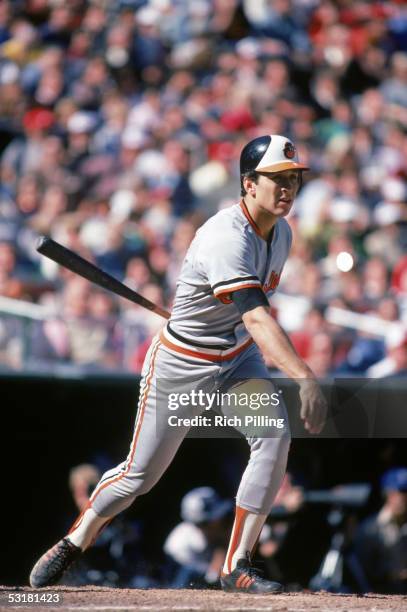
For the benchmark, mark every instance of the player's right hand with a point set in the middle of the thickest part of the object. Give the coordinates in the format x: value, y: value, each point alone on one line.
x: 313, y: 405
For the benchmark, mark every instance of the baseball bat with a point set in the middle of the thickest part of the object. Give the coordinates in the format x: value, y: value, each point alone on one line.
x: 74, y: 262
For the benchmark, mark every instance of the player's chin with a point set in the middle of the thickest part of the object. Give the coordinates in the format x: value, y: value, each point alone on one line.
x: 283, y: 209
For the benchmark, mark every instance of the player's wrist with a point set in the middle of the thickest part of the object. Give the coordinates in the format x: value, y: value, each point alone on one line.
x: 308, y: 379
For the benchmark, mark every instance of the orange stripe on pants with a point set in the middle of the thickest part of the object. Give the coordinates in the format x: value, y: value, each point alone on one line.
x: 149, y: 376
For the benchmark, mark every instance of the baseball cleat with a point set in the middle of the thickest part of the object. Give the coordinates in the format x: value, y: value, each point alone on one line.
x: 246, y: 579
x: 52, y: 565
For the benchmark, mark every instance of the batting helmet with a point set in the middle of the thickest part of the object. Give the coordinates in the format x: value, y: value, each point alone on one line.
x: 204, y: 504
x: 270, y: 154
x: 395, y: 479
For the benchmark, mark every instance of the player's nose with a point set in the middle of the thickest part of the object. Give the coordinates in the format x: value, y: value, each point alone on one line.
x: 287, y: 190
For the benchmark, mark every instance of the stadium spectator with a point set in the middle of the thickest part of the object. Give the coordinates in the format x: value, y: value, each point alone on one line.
x: 289, y: 500
x: 197, y: 546
x: 84, y: 332
x: 394, y: 362
x: 10, y: 283
x: 381, y: 540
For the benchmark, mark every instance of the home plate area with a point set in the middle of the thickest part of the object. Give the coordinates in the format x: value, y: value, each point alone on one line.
x: 167, y: 600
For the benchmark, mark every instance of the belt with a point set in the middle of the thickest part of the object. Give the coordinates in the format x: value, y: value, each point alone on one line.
x: 173, y: 342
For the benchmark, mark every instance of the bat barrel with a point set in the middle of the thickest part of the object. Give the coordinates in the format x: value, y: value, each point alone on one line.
x: 42, y: 243
x: 77, y: 264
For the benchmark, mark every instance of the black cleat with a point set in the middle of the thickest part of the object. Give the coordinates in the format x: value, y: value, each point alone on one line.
x: 246, y: 579
x: 52, y: 565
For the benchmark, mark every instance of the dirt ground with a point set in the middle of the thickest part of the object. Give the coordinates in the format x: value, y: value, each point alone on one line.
x: 164, y: 600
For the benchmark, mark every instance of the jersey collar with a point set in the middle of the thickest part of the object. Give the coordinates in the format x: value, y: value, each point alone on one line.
x: 250, y: 218
x: 254, y: 224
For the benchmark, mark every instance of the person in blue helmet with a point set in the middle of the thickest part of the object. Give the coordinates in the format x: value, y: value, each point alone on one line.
x: 196, y: 547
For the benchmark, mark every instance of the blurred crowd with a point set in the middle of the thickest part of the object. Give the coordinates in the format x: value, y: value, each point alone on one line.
x: 121, y: 127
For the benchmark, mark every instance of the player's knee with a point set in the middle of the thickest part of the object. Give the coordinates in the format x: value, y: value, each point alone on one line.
x: 270, y: 454
x: 140, y: 484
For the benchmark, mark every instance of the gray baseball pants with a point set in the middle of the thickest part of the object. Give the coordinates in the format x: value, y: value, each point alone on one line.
x: 155, y: 443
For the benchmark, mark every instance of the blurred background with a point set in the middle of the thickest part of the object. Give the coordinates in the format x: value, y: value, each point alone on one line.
x: 121, y: 125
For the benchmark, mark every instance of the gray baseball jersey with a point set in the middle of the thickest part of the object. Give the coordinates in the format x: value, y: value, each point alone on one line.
x: 227, y: 254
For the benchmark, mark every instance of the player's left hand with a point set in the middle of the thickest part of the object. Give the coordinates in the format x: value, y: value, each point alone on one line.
x: 313, y: 406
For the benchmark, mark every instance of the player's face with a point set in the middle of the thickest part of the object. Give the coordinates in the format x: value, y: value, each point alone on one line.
x: 275, y: 192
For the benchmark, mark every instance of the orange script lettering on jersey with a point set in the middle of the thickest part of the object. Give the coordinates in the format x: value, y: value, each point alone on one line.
x: 272, y: 282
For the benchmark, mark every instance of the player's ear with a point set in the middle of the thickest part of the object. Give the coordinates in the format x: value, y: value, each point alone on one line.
x: 250, y: 185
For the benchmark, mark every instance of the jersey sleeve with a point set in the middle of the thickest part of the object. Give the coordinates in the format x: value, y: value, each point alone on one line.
x: 248, y: 299
x: 229, y: 266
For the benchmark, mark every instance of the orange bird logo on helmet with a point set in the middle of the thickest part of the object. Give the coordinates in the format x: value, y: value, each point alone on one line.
x: 289, y: 150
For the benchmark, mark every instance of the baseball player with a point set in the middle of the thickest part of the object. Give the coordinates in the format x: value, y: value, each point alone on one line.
x: 220, y: 335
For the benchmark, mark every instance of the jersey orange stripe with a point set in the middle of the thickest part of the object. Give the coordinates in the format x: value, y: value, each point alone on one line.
x: 207, y: 356
x: 249, y: 218
x: 224, y: 299
x: 241, y: 514
x: 137, y: 430
x: 236, y: 288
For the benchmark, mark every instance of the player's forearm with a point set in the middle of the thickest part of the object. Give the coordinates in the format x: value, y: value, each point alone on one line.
x: 274, y: 344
